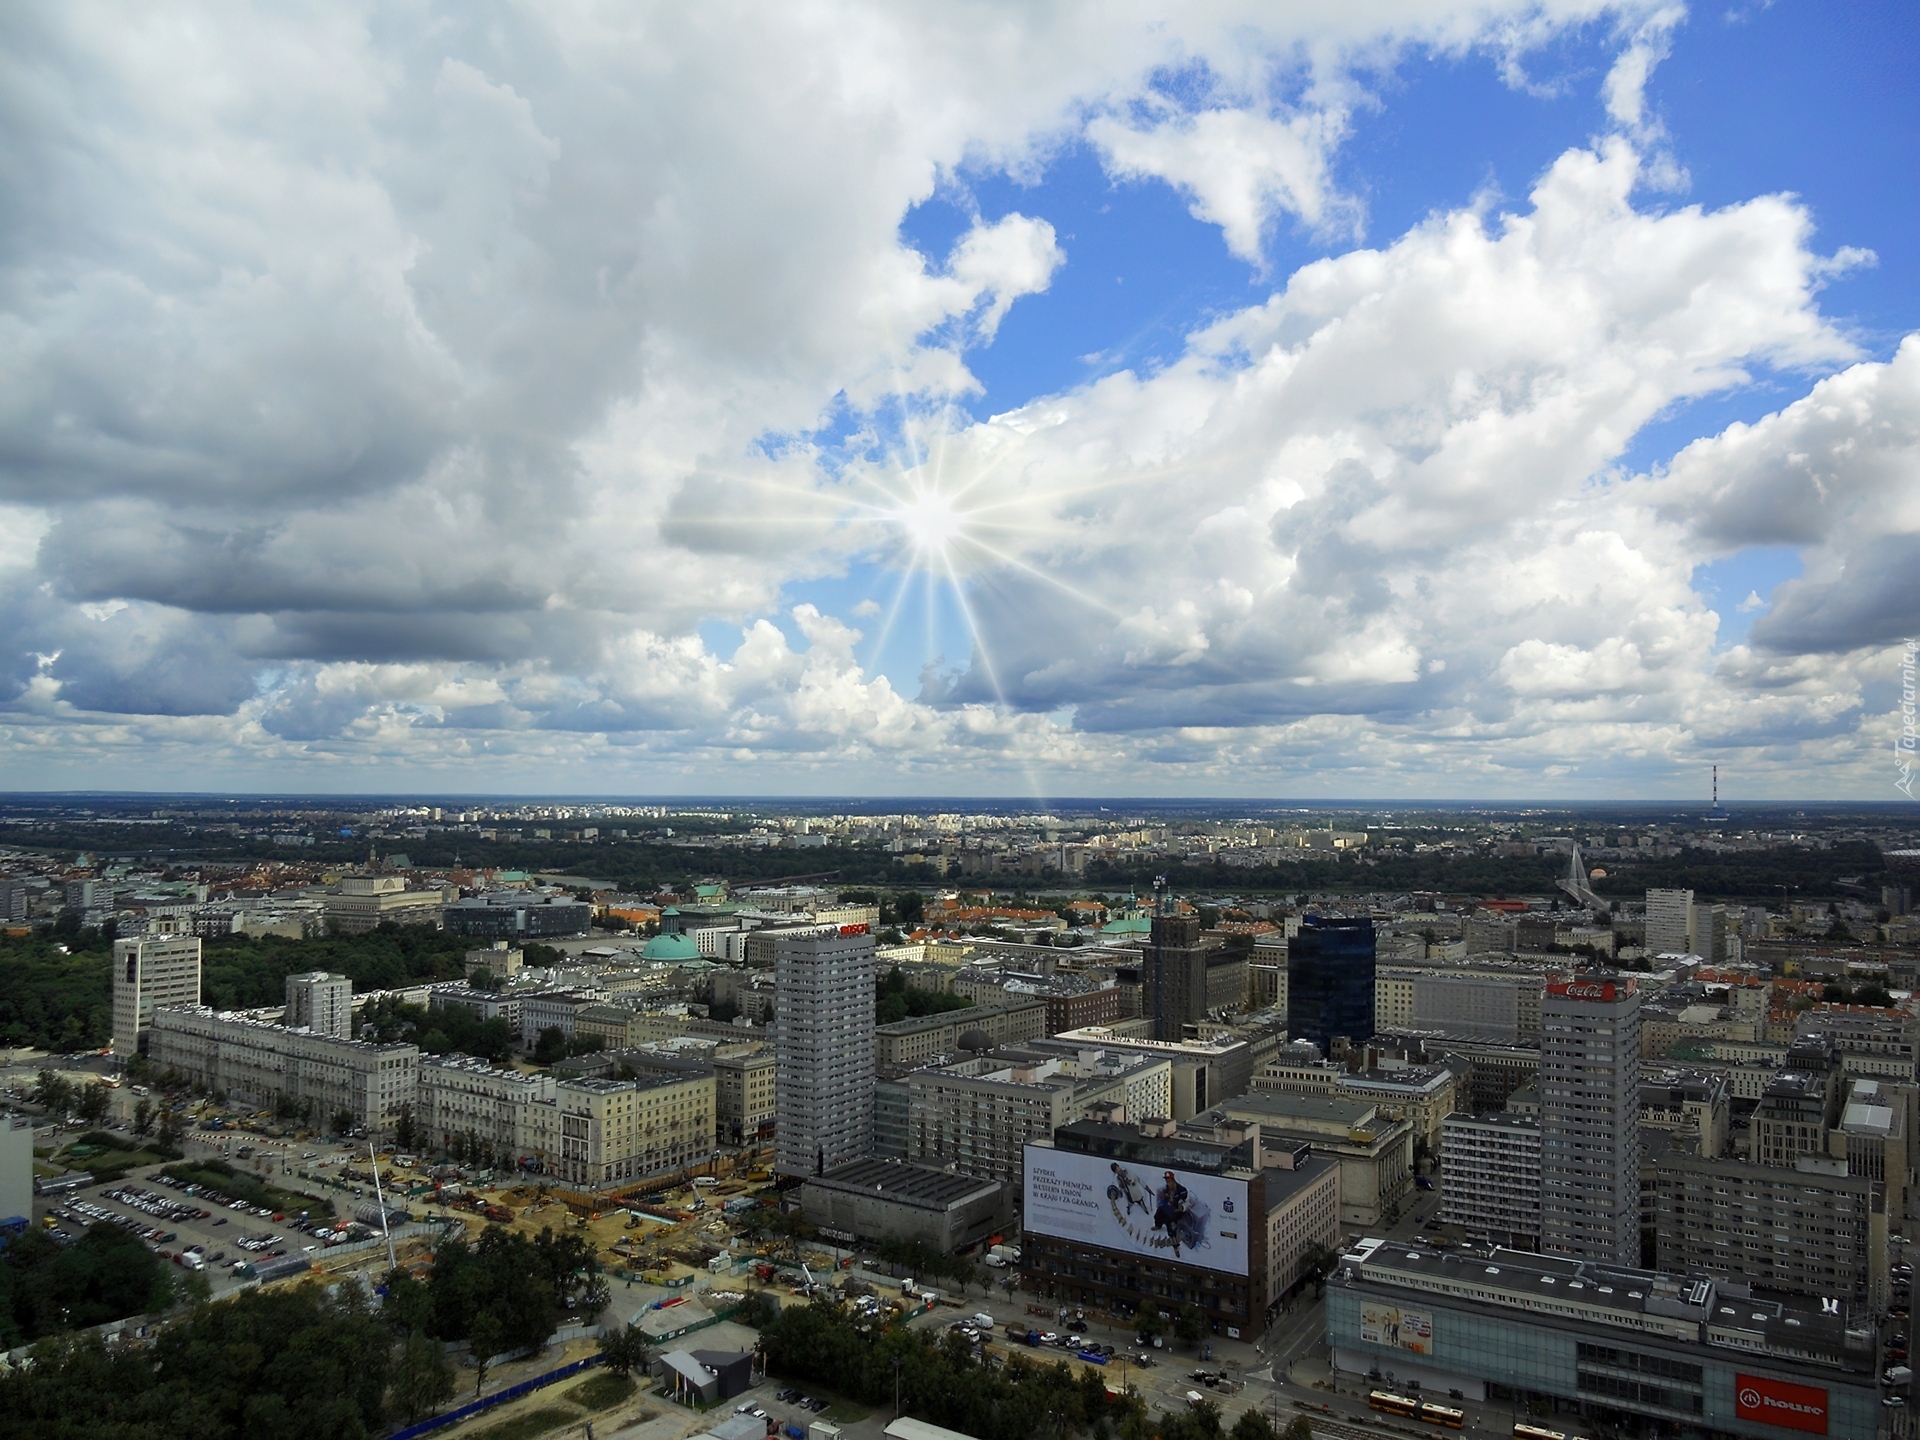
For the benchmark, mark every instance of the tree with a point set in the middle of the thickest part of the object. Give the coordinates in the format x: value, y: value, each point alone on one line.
x: 143, y: 1116
x: 342, y: 1121
x: 422, y: 1378
x: 405, y: 1133
x: 93, y: 1102
x: 1254, y: 1425
x: 625, y: 1350
x: 550, y: 1046
x: 1188, y: 1323
x: 483, y: 1343
x: 172, y: 1127
x: 1299, y: 1429
x: 53, y: 1092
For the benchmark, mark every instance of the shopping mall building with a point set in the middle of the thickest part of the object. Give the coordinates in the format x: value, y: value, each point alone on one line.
x: 1628, y: 1350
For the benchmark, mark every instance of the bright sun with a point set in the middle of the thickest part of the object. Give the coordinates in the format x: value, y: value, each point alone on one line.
x: 931, y: 523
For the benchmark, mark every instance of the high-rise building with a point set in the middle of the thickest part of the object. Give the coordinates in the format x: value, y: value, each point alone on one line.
x: 321, y: 1002
x: 1590, y: 1118
x: 1330, y: 981
x: 161, y: 967
x: 1707, y: 933
x: 823, y: 1048
x: 1174, y: 976
x: 1669, y: 922
x: 16, y: 899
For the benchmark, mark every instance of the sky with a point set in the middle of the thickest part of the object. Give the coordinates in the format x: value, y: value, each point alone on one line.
x: 1386, y: 398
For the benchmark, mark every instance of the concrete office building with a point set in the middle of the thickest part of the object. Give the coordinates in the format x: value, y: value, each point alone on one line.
x: 16, y: 1167
x: 1669, y: 922
x: 1203, y: 1071
x: 16, y: 902
x: 1184, y: 981
x: 1267, y: 976
x: 1490, y: 1178
x: 824, y: 1047
x: 502, y: 961
x: 1688, y: 1103
x: 1812, y: 1229
x: 364, y: 902
x: 261, y: 1064
x: 321, y: 1002
x: 1707, y: 933
x: 892, y: 1115
x: 1372, y: 1150
x: 161, y: 967
x: 1604, y: 1347
x: 1590, y: 1119
x: 518, y: 915
x: 1330, y: 980
x: 875, y: 1198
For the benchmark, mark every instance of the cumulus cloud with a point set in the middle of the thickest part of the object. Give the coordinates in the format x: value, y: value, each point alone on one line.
x: 1241, y: 168
x: 415, y: 391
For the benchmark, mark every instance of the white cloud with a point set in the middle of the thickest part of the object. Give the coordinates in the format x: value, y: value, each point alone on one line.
x: 1242, y: 168
x: 403, y: 392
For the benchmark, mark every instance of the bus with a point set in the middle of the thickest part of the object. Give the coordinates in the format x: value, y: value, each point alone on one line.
x: 1393, y: 1404
x: 1524, y: 1431
x: 1448, y: 1415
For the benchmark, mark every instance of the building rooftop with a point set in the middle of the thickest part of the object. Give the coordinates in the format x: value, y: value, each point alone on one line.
x: 905, y: 1183
x: 1687, y: 1309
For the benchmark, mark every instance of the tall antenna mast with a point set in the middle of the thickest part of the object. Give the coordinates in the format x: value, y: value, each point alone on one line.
x: 1716, y: 787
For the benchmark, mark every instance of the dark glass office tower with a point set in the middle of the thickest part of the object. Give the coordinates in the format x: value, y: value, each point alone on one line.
x: 1330, y: 981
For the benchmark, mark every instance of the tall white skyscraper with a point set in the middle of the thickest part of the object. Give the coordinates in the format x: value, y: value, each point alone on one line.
x: 1590, y: 1119
x: 321, y: 1002
x: 823, y: 1072
x: 1669, y: 922
x: 161, y: 967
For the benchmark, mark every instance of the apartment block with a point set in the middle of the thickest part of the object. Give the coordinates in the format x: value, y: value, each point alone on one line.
x: 1490, y: 1178
x: 979, y: 1114
x: 1810, y: 1228
x: 262, y: 1064
x: 824, y: 1049
x: 589, y: 1133
x: 1590, y: 1118
x: 1688, y: 1103
x: 1670, y: 925
x: 744, y: 1107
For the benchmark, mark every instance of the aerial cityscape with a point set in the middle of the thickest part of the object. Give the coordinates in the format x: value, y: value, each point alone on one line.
x: 971, y: 721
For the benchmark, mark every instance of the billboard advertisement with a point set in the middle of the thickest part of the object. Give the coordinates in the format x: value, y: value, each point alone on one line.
x: 1400, y: 1329
x: 1182, y: 1215
x: 1780, y: 1403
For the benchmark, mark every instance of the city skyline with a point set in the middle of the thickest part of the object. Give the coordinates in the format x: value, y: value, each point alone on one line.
x: 1502, y: 404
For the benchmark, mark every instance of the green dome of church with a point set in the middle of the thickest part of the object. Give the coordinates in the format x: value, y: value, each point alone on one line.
x: 670, y: 949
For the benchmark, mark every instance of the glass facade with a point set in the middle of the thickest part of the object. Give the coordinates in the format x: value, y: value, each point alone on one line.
x: 1330, y: 981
